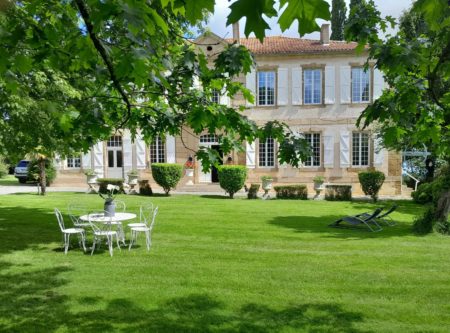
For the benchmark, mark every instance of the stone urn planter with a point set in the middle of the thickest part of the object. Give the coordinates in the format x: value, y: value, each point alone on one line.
x: 319, y: 185
x: 133, y: 177
x: 91, y: 180
x: 133, y: 180
x: 189, y: 172
x: 267, y: 182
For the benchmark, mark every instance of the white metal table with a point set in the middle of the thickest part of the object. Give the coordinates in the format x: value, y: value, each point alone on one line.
x: 115, y: 220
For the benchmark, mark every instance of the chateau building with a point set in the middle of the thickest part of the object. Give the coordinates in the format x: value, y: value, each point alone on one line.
x: 317, y: 87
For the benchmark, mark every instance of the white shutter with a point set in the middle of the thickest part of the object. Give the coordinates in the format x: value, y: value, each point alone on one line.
x: 329, y: 84
x: 378, y: 83
x: 86, y: 161
x: 328, y: 150
x: 282, y: 80
x: 378, y: 153
x: 140, y: 153
x: 127, y: 154
x: 224, y: 100
x: 297, y: 86
x: 346, y: 82
x: 250, y: 155
x: 345, y: 149
x: 196, y: 82
x: 98, y: 159
x: 250, y: 83
x: 170, y: 149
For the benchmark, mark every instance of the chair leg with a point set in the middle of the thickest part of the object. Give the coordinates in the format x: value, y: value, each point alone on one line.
x: 83, y: 241
x: 131, y: 240
x: 66, y: 242
x: 117, y: 241
x: 93, y: 245
x: 109, y: 240
x: 147, y: 236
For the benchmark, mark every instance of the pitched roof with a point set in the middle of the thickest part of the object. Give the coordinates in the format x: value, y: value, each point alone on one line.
x: 289, y: 45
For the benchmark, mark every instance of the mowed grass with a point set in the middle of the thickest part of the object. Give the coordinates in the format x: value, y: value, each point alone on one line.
x: 220, y: 265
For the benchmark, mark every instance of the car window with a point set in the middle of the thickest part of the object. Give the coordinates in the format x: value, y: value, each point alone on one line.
x: 23, y: 164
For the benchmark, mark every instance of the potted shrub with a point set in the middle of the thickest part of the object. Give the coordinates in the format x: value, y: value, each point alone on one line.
x: 189, y: 167
x: 133, y: 177
x: 91, y: 176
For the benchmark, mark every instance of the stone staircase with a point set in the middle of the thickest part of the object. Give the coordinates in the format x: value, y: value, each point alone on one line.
x: 406, y: 191
x: 70, y: 180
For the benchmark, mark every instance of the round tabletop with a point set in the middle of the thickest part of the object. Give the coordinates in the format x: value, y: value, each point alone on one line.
x: 102, y: 218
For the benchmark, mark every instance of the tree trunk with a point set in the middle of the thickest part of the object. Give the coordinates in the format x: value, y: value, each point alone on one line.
x: 231, y: 195
x: 42, y: 176
x: 443, y: 207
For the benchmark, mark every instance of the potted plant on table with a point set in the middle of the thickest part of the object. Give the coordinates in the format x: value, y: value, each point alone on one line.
x: 318, y: 184
x: 109, y: 196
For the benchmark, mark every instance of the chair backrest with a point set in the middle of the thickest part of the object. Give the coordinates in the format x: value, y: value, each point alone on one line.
x: 60, y: 219
x: 145, y: 213
x: 374, y: 214
x: 75, y: 211
x: 390, y: 210
x: 120, y: 206
x: 155, y: 212
x: 98, y: 226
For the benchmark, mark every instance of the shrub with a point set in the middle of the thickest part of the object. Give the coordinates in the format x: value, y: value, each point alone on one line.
x: 371, y: 182
x: 167, y: 175
x: 292, y: 192
x: 338, y: 192
x: 423, y: 194
x: 424, y: 224
x: 50, y: 171
x: 103, y: 183
x: 253, y: 191
x: 145, y: 188
x: 3, y: 168
x: 232, y: 178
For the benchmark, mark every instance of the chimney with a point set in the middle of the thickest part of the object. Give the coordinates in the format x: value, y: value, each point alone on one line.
x: 236, y: 36
x: 325, y: 34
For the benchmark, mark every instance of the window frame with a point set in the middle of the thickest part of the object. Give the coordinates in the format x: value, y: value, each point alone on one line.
x: 266, y: 71
x: 321, y: 88
x: 360, y: 151
x: 267, y: 154
x: 73, y: 158
x: 157, y: 146
x: 311, y: 158
x: 369, y: 81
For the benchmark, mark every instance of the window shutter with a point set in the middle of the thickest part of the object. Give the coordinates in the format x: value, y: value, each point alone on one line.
x: 250, y: 155
x: 127, y: 154
x: 378, y: 83
x: 140, y: 153
x: 251, y: 85
x: 378, y: 153
x: 170, y: 149
x: 346, y: 82
x: 86, y: 161
x: 297, y: 86
x: 345, y: 149
x: 224, y: 100
x: 98, y: 159
x: 328, y: 150
x: 282, y: 81
x: 329, y: 84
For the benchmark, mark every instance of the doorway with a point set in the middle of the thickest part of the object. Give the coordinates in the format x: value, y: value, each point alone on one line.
x: 210, y: 141
x: 214, y: 171
x: 115, y: 156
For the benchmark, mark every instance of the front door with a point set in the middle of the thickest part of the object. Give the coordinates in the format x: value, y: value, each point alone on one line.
x: 115, y: 157
x: 214, y: 171
x: 210, y: 141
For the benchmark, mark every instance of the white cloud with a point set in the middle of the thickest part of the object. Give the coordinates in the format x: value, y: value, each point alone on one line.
x: 217, y: 22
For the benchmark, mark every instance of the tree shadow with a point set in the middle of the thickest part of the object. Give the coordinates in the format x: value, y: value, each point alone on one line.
x: 31, y: 303
x: 215, y: 196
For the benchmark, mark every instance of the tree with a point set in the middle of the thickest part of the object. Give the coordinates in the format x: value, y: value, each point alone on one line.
x: 338, y: 16
x: 415, y: 110
x: 101, y: 66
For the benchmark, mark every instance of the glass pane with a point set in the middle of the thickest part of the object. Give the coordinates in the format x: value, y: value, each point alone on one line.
x: 110, y: 158
x: 119, y: 158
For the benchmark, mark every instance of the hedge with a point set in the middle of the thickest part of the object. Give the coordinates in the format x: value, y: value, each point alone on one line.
x: 253, y: 191
x: 371, y: 182
x: 338, y: 192
x: 232, y: 178
x: 299, y: 191
x: 167, y: 175
x: 103, y: 183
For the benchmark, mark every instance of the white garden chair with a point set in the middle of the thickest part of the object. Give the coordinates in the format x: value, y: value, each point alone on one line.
x: 102, y: 229
x: 120, y: 206
x: 75, y: 211
x: 70, y: 231
x: 145, y: 214
x: 147, y: 229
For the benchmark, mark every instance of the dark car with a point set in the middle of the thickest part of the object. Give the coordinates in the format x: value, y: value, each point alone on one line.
x: 21, y: 171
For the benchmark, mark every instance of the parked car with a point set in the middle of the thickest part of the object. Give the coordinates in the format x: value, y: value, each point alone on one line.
x: 21, y: 171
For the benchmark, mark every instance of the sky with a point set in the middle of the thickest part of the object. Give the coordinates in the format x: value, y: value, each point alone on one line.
x: 217, y: 23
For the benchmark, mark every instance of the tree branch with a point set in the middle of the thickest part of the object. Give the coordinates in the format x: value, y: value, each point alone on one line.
x: 84, y: 12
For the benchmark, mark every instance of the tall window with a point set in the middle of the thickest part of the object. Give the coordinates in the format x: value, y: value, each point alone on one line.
x: 314, y: 141
x: 157, y: 151
x: 215, y: 96
x: 360, y: 85
x: 312, y: 86
x: 266, y: 88
x: 74, y: 161
x: 114, y: 141
x: 267, y: 153
x: 360, y: 149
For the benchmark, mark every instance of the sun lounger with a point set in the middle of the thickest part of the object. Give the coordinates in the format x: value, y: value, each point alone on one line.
x: 369, y: 221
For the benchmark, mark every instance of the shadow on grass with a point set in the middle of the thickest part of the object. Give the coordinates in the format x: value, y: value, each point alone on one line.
x: 31, y: 303
x: 215, y: 196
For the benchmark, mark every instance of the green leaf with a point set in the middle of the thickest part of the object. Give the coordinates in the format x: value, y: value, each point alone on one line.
x: 253, y: 11
x: 195, y: 9
x: 23, y: 63
x: 306, y: 12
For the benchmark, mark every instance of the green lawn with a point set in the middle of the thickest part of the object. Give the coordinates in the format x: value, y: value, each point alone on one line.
x: 227, y: 266
x: 9, y: 180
